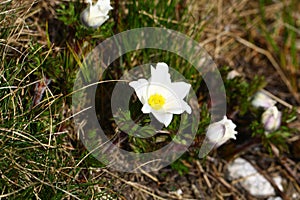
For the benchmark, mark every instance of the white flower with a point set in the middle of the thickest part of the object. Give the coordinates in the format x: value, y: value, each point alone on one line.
x: 221, y: 131
x: 232, y: 74
x: 95, y: 15
x: 262, y: 100
x: 160, y: 96
x: 271, y: 119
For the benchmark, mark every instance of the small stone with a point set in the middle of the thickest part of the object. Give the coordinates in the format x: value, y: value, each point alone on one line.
x: 295, y: 196
x: 246, y: 175
x: 274, y: 198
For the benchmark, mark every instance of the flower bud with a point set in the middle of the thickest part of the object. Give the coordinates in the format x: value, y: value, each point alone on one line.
x: 271, y: 119
x: 233, y: 74
x: 220, y: 132
x: 95, y: 15
x: 262, y: 100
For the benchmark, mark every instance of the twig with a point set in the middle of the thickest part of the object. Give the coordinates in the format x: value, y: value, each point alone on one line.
x: 282, y: 160
x: 284, y: 103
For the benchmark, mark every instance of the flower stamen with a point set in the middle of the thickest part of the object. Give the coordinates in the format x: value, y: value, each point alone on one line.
x: 156, y: 101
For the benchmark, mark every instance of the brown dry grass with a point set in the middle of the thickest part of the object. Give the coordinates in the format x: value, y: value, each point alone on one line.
x: 231, y: 33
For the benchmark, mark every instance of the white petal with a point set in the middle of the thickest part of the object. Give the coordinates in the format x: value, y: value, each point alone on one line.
x: 224, y: 128
x: 187, y: 108
x: 177, y: 106
x: 90, y: 2
x: 159, y: 88
x: 95, y: 15
x: 141, y: 87
x: 100, y: 9
x: 271, y: 119
x: 262, y: 100
x: 180, y: 88
x: 232, y: 74
x: 173, y: 105
x: 175, y: 110
x: 229, y: 126
x: 146, y: 108
x: 160, y: 74
x: 215, y: 132
x: 95, y: 12
x: 162, y: 117
x: 104, y: 5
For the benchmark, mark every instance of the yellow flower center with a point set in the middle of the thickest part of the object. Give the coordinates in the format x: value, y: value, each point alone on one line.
x: 156, y: 101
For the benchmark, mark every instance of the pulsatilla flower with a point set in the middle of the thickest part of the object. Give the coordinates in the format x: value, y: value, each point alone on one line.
x: 233, y: 74
x: 160, y: 96
x: 271, y: 119
x: 262, y: 100
x: 221, y: 131
x: 95, y: 15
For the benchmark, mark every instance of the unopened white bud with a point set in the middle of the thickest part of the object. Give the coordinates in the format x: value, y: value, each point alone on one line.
x: 221, y: 131
x: 95, y: 15
x: 233, y: 74
x: 262, y: 100
x: 271, y: 119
